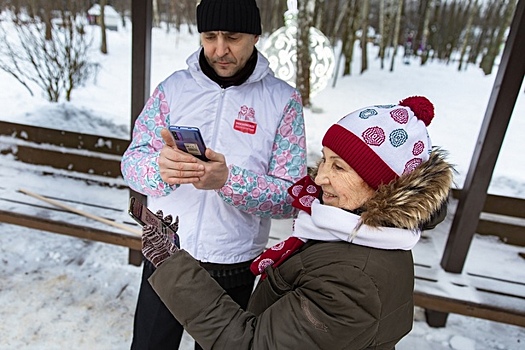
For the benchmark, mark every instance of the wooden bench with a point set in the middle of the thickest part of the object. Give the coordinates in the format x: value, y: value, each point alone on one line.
x: 60, y: 166
x: 62, y: 156
x: 486, y: 291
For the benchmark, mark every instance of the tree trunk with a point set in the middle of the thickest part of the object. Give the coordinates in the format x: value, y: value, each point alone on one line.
x: 397, y: 28
x: 423, y: 6
x: 468, y: 32
x: 156, y: 17
x: 304, y: 20
x: 350, y: 37
x: 364, y: 35
x: 494, y: 48
x: 319, y: 14
x: 339, y: 27
x: 424, y: 35
x: 438, y: 43
x: 103, y: 41
x: 382, y: 41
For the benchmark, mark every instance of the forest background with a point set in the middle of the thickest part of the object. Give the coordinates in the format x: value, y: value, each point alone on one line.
x: 460, y: 32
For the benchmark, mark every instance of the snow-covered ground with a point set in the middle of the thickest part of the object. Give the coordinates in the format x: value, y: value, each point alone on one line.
x: 60, y: 292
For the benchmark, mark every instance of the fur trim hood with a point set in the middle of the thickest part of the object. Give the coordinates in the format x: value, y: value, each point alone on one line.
x: 411, y: 200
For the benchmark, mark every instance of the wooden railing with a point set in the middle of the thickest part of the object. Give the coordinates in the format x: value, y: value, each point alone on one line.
x: 497, y: 299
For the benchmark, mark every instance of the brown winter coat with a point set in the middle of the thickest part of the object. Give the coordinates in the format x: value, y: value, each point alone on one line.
x: 329, y: 295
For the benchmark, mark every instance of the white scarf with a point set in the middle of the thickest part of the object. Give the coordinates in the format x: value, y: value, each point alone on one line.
x: 327, y: 223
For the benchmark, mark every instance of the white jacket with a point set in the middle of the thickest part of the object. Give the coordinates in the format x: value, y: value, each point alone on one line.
x: 258, y: 126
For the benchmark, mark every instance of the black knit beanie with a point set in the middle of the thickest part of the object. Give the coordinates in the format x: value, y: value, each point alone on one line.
x: 236, y: 16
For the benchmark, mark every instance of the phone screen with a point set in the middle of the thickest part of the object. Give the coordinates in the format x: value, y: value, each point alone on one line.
x: 144, y: 216
x: 189, y: 139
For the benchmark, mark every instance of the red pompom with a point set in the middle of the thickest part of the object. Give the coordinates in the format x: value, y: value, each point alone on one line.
x: 421, y: 106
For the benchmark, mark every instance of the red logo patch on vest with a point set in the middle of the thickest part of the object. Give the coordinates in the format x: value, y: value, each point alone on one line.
x: 245, y: 121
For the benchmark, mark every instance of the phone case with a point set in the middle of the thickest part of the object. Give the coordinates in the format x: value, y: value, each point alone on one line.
x: 189, y: 139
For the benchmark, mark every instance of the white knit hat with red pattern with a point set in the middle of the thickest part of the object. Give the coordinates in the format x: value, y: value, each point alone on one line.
x: 383, y: 142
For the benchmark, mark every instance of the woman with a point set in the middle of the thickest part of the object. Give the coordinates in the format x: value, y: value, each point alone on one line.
x: 345, y: 278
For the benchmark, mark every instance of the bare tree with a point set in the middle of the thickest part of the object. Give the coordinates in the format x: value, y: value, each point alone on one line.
x: 387, y: 17
x: 487, y: 62
x: 364, y: 35
x: 349, y: 37
x: 318, y: 20
x: 58, y: 65
x: 104, y: 40
x: 341, y: 16
x: 397, y: 28
x: 156, y: 16
x: 468, y: 31
x: 425, y: 32
x: 304, y: 22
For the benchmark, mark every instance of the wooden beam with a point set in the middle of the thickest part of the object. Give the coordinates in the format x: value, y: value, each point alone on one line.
x: 502, y: 205
x: 62, y: 138
x: 442, y: 305
x: 506, y: 88
x: 65, y: 228
x: 141, y: 13
x: 70, y: 161
x: 141, y: 16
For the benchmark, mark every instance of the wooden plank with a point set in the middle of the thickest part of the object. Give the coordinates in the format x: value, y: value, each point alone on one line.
x: 508, y: 233
x: 477, y: 295
x: 80, y: 231
x: 503, y: 205
x: 70, y: 161
x: 475, y: 282
x: 487, y: 309
x: 68, y: 139
x: 503, y: 217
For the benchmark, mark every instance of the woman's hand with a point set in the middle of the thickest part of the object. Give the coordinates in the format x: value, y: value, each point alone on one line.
x: 158, y: 246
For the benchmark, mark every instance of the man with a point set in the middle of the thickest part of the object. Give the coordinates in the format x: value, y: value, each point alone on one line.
x: 252, y: 124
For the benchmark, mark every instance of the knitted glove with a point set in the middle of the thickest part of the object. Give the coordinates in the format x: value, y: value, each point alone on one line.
x: 159, y: 244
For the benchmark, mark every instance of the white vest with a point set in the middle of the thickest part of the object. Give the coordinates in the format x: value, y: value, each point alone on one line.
x: 210, y: 229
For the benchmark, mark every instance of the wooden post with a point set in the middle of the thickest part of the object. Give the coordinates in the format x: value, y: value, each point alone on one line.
x: 141, y: 16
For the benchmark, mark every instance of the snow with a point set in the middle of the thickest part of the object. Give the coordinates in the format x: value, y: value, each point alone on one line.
x: 61, y: 292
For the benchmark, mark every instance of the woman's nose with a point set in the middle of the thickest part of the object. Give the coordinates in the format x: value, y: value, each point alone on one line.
x: 320, y: 178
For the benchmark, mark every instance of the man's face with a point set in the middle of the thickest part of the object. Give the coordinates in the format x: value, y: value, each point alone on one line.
x: 227, y: 52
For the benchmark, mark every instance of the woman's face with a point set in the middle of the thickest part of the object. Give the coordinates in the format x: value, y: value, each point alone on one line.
x: 342, y: 186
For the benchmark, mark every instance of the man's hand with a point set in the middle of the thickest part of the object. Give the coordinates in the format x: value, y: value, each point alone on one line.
x: 158, y: 246
x: 215, y: 172
x: 178, y: 167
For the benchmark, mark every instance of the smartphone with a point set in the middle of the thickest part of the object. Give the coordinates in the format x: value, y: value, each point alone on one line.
x: 189, y: 139
x: 144, y: 216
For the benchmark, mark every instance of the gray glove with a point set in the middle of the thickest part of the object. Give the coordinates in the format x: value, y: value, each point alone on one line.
x: 157, y: 244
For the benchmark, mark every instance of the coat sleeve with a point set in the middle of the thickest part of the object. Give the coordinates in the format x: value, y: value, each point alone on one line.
x: 139, y: 165
x: 266, y: 195
x: 317, y: 314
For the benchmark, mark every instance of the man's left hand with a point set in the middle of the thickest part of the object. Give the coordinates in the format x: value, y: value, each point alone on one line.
x: 215, y: 172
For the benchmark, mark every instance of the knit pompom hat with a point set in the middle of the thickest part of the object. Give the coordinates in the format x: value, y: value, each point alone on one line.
x: 236, y: 16
x: 383, y: 142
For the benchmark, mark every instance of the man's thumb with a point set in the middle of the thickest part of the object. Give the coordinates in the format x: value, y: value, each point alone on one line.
x: 168, y: 138
x: 214, y: 156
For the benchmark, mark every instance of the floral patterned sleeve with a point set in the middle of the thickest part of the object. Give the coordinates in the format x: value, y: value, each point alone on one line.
x: 139, y: 164
x: 266, y: 195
